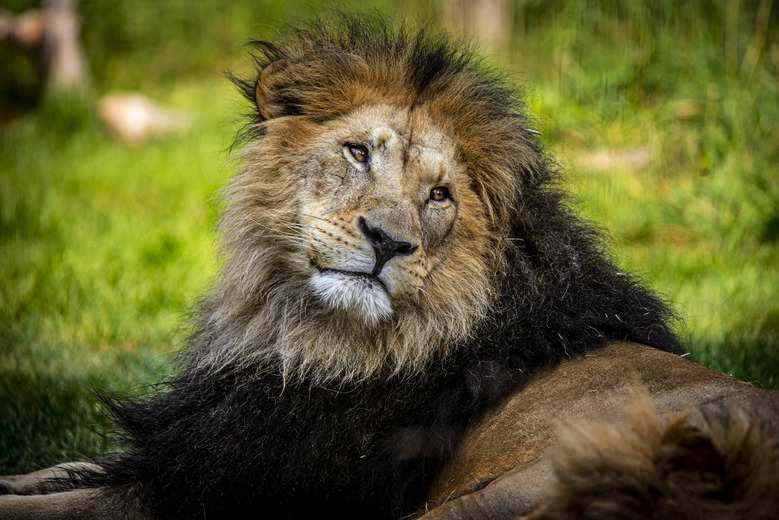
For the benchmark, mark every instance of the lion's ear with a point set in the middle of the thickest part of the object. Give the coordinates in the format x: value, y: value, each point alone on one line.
x: 263, y: 90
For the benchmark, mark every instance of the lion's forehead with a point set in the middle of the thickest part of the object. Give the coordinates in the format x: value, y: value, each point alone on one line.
x: 407, y: 145
x: 410, y: 125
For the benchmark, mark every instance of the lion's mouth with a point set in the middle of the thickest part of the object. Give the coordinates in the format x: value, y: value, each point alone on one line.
x: 356, y: 291
x: 370, y: 277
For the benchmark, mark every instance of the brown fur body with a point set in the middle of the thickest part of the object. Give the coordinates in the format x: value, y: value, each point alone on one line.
x: 626, y: 432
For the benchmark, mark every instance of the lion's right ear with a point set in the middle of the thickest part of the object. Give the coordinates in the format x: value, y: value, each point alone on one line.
x: 263, y: 91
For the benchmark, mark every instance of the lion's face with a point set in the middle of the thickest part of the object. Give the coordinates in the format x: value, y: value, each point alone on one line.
x: 386, y: 213
x: 357, y: 244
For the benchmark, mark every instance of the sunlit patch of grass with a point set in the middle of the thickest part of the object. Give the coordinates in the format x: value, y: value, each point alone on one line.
x: 105, y: 248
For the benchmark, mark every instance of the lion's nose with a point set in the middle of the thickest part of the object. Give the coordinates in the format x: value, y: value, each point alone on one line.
x: 384, y: 245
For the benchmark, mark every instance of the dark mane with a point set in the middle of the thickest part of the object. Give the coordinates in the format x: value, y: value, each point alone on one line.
x: 220, y: 445
x: 425, y: 58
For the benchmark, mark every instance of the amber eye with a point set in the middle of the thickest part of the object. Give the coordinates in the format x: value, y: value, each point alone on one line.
x: 358, y: 152
x: 440, y: 194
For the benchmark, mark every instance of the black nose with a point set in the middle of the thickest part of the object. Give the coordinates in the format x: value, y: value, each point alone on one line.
x: 383, y: 245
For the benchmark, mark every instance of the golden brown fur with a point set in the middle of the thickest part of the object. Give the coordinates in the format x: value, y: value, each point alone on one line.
x: 717, y: 462
x: 576, y: 443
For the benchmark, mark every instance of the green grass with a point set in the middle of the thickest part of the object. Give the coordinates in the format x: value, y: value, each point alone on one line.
x: 104, y: 246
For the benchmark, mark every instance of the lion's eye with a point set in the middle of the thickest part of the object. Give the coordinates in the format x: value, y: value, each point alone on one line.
x: 440, y: 194
x: 358, y: 152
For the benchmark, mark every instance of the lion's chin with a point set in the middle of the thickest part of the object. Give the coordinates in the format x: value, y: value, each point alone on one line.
x: 356, y: 294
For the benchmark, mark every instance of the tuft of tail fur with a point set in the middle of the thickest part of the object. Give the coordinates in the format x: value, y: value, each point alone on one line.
x: 715, y: 462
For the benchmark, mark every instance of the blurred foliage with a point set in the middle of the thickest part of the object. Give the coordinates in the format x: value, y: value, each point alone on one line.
x: 706, y: 78
x: 105, y: 246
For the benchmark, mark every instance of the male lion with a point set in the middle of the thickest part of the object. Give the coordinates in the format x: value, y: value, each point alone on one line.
x: 402, y: 277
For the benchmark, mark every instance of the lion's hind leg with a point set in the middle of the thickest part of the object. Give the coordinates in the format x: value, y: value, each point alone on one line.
x: 50, y: 480
x: 84, y: 504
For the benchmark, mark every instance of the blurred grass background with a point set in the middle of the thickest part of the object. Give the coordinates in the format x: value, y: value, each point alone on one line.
x: 663, y: 114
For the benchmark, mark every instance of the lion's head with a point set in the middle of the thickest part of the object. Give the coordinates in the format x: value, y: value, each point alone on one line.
x: 384, y: 183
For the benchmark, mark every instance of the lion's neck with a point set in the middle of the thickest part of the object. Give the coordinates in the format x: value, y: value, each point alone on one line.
x: 293, y: 335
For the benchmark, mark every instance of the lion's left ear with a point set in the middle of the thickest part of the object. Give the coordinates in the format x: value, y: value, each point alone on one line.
x: 263, y: 90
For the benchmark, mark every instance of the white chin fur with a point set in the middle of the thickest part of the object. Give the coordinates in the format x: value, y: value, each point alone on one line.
x: 352, y: 293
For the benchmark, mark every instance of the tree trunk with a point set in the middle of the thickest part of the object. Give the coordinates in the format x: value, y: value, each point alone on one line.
x: 62, y: 55
x: 487, y: 21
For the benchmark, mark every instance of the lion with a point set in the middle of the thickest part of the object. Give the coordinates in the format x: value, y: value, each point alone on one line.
x: 407, y: 306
